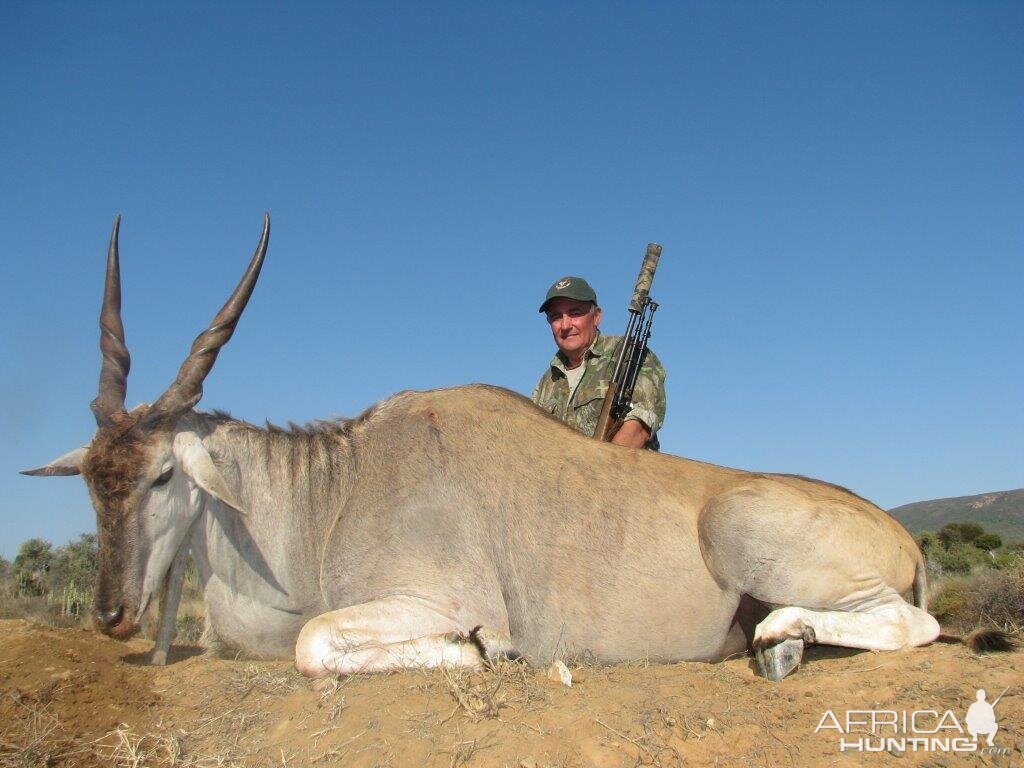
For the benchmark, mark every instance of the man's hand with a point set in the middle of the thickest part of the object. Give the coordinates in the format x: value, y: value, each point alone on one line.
x: 633, y: 434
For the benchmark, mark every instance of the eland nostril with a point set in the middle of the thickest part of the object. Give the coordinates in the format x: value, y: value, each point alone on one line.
x: 110, y: 619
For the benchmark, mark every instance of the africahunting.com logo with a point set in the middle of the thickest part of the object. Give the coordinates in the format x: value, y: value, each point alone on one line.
x: 918, y: 730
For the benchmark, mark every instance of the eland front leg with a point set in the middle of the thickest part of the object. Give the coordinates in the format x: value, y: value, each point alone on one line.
x: 393, y: 633
x: 169, y: 603
x: 883, y: 623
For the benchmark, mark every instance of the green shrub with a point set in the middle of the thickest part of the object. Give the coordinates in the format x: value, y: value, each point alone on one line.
x: 75, y: 563
x: 31, y: 566
x: 987, y: 598
x: 51, y: 586
x: 952, y: 532
x: 928, y: 542
x: 988, y: 541
x: 949, y: 599
x: 961, y: 558
x: 958, y: 549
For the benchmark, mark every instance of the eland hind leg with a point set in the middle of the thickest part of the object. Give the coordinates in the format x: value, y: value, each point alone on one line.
x: 397, y: 632
x: 831, y: 564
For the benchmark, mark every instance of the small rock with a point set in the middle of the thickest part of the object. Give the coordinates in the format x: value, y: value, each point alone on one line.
x: 711, y: 723
x: 560, y: 673
x: 527, y: 762
x: 670, y: 722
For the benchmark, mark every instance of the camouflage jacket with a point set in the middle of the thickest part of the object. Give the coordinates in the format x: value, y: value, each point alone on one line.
x: 584, y: 409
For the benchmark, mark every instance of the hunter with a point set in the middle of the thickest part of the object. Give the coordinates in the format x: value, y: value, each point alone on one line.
x: 573, y: 387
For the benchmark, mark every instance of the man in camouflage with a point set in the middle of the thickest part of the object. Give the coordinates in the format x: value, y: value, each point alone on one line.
x: 573, y: 387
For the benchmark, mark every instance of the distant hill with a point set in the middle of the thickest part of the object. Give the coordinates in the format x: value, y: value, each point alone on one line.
x: 1000, y: 512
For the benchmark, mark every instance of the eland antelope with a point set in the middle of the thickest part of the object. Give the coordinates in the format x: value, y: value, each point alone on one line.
x: 451, y: 526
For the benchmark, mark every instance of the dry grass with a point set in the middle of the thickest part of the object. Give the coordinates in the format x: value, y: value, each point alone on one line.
x: 483, y: 694
x: 125, y: 748
x: 264, y: 679
x: 51, y: 611
x: 32, y: 736
x: 476, y: 695
x: 227, y: 735
x: 463, y: 749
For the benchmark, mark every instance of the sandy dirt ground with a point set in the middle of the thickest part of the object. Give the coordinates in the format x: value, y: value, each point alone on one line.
x: 74, y: 698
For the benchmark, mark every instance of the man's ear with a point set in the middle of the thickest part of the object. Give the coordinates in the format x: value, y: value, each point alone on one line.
x: 197, y: 463
x: 68, y: 464
x: 597, y: 315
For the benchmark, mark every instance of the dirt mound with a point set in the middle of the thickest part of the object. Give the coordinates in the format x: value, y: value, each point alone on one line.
x: 74, y: 698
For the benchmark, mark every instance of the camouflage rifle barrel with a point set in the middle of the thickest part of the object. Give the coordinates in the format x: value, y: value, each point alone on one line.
x: 645, y: 278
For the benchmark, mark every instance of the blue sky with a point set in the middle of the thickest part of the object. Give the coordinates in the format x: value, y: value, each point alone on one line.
x: 837, y: 187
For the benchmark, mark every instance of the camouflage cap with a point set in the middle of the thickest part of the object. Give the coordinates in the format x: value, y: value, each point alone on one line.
x: 571, y: 288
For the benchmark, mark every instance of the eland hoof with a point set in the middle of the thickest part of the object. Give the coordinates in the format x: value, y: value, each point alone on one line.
x: 776, y: 661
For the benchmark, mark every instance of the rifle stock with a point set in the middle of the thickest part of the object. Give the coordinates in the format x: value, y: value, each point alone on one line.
x: 601, y: 431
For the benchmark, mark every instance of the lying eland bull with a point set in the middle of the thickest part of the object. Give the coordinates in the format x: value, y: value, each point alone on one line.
x: 453, y: 526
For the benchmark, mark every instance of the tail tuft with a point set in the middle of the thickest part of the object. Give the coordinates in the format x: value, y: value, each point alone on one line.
x: 983, y: 640
x: 990, y: 641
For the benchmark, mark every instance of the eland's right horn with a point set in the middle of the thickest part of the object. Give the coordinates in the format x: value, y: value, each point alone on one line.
x: 187, y: 388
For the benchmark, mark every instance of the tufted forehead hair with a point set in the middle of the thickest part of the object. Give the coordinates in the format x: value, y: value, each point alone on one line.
x: 117, y: 455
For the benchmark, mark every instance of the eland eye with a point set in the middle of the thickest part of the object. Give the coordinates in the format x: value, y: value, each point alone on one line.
x: 164, y: 477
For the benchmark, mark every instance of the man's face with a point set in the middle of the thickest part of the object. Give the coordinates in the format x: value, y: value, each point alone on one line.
x: 573, y: 324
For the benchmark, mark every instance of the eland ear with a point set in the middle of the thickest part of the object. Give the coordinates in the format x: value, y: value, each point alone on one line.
x: 68, y: 464
x: 199, y: 466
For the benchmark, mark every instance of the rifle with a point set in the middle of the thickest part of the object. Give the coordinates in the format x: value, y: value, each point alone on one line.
x: 633, y: 350
x: 1000, y: 696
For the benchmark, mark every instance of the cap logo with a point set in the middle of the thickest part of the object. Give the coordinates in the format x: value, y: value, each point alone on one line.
x: 563, y: 283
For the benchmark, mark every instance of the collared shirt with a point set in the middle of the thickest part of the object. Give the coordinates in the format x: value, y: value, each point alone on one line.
x: 581, y: 409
